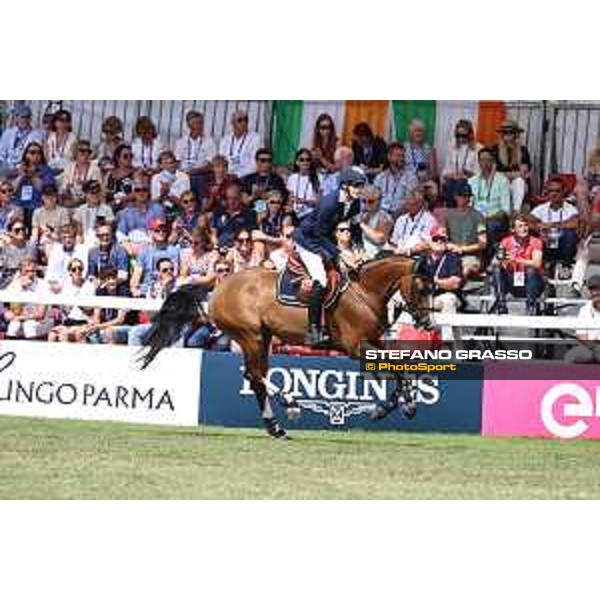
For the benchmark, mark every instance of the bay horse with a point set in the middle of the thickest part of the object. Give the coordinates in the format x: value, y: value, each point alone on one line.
x: 245, y: 307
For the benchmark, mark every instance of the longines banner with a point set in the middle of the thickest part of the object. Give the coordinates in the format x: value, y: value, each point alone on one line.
x: 332, y: 394
x: 79, y: 381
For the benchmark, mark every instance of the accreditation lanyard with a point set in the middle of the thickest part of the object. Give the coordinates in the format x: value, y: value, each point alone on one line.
x: 150, y: 163
x: 560, y: 214
x: 232, y: 149
x: 306, y: 186
x: 395, y: 184
x: 489, y: 188
x: 465, y: 157
x: 59, y: 149
x: 197, y: 148
x: 415, y: 224
x: 78, y: 177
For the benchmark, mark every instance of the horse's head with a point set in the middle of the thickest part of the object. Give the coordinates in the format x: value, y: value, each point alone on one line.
x: 389, y: 273
x: 416, y: 293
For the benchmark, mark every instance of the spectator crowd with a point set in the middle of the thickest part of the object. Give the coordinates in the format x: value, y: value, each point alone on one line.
x: 132, y: 217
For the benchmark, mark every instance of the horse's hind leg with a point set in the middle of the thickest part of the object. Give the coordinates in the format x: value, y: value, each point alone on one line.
x: 256, y: 362
x: 402, y: 396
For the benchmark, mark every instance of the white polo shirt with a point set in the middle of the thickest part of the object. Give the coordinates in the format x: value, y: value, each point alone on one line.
x: 194, y: 153
x: 240, y: 152
x: 409, y: 231
x: 588, y: 312
x: 547, y: 214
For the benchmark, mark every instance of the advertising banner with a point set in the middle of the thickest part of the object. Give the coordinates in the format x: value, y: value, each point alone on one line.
x: 560, y: 401
x: 85, y: 381
x: 332, y: 394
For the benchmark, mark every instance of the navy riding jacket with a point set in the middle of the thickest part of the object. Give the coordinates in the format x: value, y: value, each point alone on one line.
x: 316, y: 231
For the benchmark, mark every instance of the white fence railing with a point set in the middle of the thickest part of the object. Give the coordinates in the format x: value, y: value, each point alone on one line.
x: 456, y: 320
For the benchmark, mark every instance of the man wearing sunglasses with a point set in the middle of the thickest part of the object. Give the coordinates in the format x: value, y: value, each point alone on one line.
x: 15, y: 139
x: 315, y: 238
x: 150, y: 257
x: 264, y: 179
x: 240, y: 146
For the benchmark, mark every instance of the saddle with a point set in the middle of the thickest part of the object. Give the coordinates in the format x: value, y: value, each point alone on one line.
x: 294, y: 284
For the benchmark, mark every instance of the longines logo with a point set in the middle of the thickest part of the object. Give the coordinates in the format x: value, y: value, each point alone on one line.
x: 338, y: 394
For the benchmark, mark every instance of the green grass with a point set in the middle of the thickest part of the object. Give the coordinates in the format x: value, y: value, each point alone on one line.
x: 76, y: 459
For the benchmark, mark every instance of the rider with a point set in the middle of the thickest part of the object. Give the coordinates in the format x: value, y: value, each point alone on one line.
x: 314, y: 241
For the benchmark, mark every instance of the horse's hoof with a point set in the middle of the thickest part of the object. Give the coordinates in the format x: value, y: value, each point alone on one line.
x: 379, y: 413
x: 409, y: 410
x: 293, y: 413
x: 274, y: 429
x: 279, y: 434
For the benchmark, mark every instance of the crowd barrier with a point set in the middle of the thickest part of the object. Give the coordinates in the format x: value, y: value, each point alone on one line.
x: 188, y: 387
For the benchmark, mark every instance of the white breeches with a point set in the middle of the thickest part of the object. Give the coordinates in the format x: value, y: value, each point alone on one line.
x: 314, y: 265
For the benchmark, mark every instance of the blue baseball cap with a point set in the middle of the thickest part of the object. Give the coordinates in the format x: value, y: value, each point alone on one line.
x: 22, y: 110
x: 463, y: 189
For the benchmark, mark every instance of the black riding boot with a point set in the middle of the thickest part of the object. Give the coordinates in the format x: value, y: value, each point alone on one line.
x: 314, y: 335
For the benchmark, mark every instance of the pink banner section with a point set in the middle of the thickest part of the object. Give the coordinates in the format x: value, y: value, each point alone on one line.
x: 541, y: 400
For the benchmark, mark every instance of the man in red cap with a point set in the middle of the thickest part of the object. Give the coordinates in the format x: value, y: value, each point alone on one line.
x: 159, y: 248
x: 444, y: 268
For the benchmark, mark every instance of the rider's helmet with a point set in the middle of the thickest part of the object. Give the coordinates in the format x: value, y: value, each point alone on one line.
x: 354, y: 176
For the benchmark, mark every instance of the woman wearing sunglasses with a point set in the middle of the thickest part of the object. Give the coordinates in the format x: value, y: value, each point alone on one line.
x: 61, y: 141
x: 325, y: 142
x: 198, y: 261
x: 304, y: 184
x: 76, y: 173
x: 74, y: 320
x: 34, y: 174
x: 244, y: 253
x: 349, y: 253
x: 119, y: 182
x: 186, y: 220
x: 462, y: 160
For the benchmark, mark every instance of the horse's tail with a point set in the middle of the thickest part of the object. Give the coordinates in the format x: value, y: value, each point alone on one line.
x: 180, y: 308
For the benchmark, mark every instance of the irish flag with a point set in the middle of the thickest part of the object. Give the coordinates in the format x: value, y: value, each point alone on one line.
x: 294, y: 120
